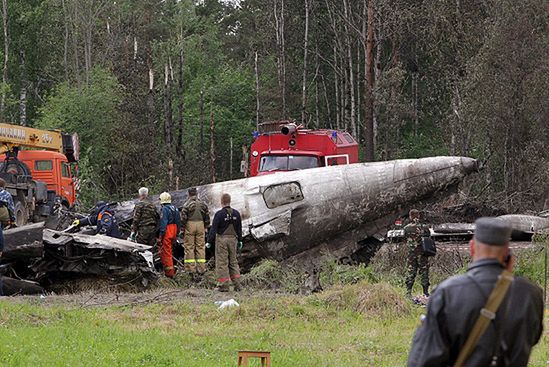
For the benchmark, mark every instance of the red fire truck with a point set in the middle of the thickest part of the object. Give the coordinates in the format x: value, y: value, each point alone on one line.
x: 285, y: 146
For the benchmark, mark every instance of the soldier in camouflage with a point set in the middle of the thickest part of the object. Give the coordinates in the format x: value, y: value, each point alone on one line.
x: 195, y: 218
x: 416, y: 261
x: 145, y: 220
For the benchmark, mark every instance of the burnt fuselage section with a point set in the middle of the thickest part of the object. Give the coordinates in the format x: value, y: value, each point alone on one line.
x: 328, y: 211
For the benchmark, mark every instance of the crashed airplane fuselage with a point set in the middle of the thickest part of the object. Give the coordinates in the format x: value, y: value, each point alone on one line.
x: 325, y: 212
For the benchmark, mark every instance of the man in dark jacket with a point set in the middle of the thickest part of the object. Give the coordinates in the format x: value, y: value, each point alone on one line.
x: 195, y: 218
x: 145, y: 220
x: 103, y: 218
x: 226, y: 235
x: 456, y: 304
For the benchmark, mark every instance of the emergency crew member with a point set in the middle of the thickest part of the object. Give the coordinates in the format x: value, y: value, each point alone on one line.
x: 103, y: 218
x: 455, y: 305
x: 7, y: 216
x: 170, y: 224
x: 416, y: 260
x: 145, y: 220
x: 226, y: 235
x: 195, y: 218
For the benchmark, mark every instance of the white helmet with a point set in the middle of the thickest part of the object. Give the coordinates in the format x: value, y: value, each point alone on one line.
x: 165, y: 198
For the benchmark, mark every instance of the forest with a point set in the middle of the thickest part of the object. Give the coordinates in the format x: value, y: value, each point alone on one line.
x: 167, y: 93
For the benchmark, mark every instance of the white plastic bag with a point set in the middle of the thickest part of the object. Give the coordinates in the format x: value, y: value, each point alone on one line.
x: 226, y: 304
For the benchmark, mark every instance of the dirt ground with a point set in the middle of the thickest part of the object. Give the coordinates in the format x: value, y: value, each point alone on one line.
x: 90, y: 299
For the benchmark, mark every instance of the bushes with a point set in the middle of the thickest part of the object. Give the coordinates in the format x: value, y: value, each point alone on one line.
x: 530, y: 263
x: 333, y: 273
x: 368, y: 299
x: 270, y: 274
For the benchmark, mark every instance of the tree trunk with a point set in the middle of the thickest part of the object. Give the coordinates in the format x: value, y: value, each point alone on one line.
x: 369, y: 140
x: 212, y: 146
x: 231, y: 158
x: 281, y: 53
x: 345, y: 92
x: 336, y: 89
x: 73, y: 15
x: 201, y: 108
x: 150, y: 102
x: 305, y: 54
x: 65, y: 41
x: 6, y: 59
x: 283, y: 44
x: 327, y: 101
x: 352, y: 112
x: 358, y: 94
x: 168, y: 117
x: 256, y: 69
x: 180, y: 149
x: 377, y: 75
x: 23, y: 93
x: 317, y: 100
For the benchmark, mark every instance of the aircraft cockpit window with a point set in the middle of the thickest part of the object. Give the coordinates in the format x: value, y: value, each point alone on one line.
x: 282, y: 194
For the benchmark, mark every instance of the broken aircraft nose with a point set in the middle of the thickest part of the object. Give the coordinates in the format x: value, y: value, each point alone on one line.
x: 470, y: 165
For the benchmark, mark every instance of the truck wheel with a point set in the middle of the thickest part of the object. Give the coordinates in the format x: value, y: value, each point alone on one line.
x: 21, y: 215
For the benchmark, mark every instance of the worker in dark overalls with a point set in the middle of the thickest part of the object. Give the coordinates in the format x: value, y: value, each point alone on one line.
x: 226, y: 234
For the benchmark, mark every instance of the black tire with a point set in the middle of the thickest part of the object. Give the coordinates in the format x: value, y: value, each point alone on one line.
x: 21, y: 215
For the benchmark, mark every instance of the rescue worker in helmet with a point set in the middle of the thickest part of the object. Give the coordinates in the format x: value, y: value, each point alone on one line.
x: 102, y: 216
x: 170, y: 225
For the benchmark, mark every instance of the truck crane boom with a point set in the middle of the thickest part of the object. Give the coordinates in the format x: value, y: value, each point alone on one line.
x: 12, y: 137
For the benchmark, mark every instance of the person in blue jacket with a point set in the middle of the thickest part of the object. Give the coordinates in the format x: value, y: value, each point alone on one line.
x: 103, y: 218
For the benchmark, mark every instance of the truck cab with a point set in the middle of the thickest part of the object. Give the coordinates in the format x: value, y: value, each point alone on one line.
x: 283, y: 146
x: 37, y: 180
x: 54, y: 170
x: 35, y: 165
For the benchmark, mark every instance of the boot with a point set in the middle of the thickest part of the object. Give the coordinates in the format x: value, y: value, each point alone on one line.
x: 426, y: 290
x: 409, y: 293
x: 222, y: 288
x: 237, y: 286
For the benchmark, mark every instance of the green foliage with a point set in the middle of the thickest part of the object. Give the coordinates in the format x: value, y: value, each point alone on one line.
x: 270, y: 274
x: 463, y: 78
x: 333, y: 273
x: 91, y: 111
x: 532, y: 263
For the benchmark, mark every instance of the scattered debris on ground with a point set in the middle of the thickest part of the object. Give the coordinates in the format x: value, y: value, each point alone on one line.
x: 36, y: 258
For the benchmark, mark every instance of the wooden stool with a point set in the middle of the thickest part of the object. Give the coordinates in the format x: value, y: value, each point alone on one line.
x: 243, y: 356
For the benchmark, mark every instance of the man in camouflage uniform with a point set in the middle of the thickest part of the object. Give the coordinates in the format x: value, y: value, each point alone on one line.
x: 416, y: 260
x: 195, y: 218
x: 145, y: 220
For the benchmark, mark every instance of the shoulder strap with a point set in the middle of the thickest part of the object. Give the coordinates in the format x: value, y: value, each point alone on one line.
x: 487, y: 314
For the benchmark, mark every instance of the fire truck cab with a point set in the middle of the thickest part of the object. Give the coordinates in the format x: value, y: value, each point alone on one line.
x: 284, y: 146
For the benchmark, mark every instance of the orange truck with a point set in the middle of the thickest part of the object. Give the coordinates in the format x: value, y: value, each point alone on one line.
x: 36, y: 165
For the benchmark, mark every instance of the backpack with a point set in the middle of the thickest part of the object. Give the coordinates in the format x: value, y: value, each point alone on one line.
x: 429, y: 246
x: 107, y: 224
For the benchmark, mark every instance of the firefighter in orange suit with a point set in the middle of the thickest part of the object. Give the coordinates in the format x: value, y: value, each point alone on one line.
x: 170, y: 224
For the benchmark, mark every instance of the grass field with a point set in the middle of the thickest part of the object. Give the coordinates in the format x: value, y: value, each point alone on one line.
x: 357, y: 325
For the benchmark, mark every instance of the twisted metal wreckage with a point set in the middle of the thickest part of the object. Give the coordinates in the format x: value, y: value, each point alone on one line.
x: 306, y: 216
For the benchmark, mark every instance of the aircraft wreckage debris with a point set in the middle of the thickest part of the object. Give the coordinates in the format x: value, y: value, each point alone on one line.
x: 329, y: 212
x: 62, y: 255
x: 308, y: 216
